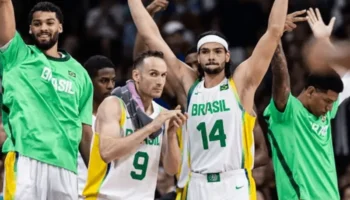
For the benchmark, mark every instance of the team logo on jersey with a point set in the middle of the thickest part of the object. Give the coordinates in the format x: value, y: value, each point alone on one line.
x: 72, y: 74
x: 223, y: 87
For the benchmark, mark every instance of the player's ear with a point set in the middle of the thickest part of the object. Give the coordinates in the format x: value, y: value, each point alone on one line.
x: 60, y: 28
x: 136, y: 75
x: 227, y: 56
x: 310, y: 91
x: 30, y: 29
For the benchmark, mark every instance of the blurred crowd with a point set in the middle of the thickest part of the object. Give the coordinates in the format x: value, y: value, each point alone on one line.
x: 105, y: 27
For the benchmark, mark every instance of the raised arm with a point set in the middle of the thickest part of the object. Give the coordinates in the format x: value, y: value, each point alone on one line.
x: 152, y: 9
x: 325, y: 54
x: 112, y: 145
x: 7, y: 22
x: 178, y: 72
x: 280, y: 80
x: 250, y: 73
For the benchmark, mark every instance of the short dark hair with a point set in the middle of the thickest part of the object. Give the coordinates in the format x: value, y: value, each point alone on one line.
x: 46, y: 7
x: 140, y: 58
x: 229, y: 67
x: 97, y: 62
x: 325, y: 81
x: 193, y: 49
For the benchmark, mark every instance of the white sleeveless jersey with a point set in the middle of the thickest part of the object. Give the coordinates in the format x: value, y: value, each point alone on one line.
x: 131, y: 177
x: 218, y: 133
x: 82, y: 170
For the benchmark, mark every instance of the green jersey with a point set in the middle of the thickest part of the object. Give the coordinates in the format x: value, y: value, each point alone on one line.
x: 302, y: 152
x: 47, y: 100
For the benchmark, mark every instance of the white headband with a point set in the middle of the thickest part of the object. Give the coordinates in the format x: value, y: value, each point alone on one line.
x: 212, y: 38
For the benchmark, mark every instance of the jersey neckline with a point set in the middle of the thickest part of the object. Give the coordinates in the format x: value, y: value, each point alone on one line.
x: 63, y: 59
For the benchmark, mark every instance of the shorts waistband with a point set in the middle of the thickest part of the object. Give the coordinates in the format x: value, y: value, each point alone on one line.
x: 217, y: 177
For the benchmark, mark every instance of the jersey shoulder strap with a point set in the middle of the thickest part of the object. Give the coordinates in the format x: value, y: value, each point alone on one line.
x: 191, y: 91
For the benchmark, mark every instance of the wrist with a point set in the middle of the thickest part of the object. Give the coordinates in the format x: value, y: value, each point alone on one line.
x: 172, y: 135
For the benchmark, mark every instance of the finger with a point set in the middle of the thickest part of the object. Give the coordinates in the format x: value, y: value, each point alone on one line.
x: 297, y: 13
x: 182, y: 117
x: 310, y: 17
x: 319, y: 16
x: 313, y: 15
x: 179, y: 122
x: 299, y: 19
x: 162, y: 4
x: 309, y: 22
x: 291, y: 25
x: 331, y: 23
x: 178, y: 107
x: 176, y: 124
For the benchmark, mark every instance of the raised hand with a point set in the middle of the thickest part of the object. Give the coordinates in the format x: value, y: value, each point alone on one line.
x: 156, y: 6
x: 177, y: 121
x: 317, y: 25
x: 292, y: 18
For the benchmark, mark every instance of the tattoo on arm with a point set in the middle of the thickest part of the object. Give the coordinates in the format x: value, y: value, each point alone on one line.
x: 281, y: 82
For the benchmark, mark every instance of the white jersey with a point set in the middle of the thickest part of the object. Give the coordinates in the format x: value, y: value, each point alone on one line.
x: 82, y: 170
x: 131, y: 177
x: 219, y: 133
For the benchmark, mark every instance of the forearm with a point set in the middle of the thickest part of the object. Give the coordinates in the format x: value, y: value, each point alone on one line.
x: 7, y: 22
x: 85, y: 146
x: 277, y: 17
x: 280, y: 80
x: 172, y: 156
x: 261, y: 157
x: 140, y: 45
x: 146, y: 26
x: 340, y: 53
x: 112, y: 148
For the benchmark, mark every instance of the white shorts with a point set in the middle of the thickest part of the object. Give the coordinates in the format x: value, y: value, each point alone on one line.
x: 26, y: 178
x: 232, y: 185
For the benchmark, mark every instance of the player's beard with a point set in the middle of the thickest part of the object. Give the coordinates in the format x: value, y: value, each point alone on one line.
x: 215, y: 70
x: 48, y: 44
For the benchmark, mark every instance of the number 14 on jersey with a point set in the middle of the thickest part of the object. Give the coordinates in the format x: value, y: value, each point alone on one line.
x: 216, y: 134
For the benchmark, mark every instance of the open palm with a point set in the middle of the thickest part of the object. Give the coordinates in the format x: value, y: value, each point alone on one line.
x: 317, y: 25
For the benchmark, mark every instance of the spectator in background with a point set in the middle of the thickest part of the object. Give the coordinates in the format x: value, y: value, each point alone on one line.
x: 178, y: 38
x: 104, y: 28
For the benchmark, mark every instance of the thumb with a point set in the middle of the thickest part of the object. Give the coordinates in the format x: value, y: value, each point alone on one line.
x: 178, y: 107
x: 331, y: 23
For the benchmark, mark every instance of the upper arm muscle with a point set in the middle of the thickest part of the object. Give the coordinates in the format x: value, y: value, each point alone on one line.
x: 250, y: 73
x: 108, y: 117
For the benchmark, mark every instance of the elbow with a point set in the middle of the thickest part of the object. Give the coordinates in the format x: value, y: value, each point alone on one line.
x: 105, y: 156
x: 173, y: 168
x: 276, y: 31
x: 171, y: 171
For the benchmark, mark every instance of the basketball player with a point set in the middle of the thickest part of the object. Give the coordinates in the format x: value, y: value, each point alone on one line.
x: 221, y: 116
x: 102, y: 73
x: 48, y: 100
x: 124, y: 160
x: 300, y: 130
